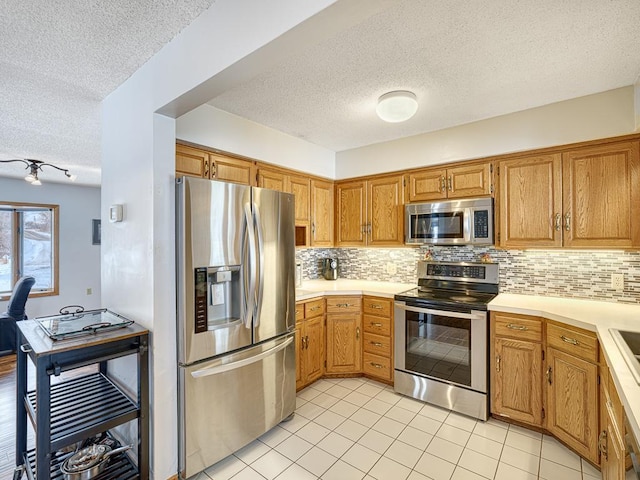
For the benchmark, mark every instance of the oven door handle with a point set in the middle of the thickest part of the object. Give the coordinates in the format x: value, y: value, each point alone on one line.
x: 411, y: 308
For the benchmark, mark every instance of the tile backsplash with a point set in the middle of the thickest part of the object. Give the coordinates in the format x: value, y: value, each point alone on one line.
x: 558, y: 273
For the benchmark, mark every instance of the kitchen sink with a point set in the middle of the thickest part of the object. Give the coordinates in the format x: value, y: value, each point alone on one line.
x: 629, y: 345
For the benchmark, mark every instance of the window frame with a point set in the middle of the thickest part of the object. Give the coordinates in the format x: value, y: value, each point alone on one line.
x: 17, y: 247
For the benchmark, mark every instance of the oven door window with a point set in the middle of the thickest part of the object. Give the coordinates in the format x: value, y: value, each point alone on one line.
x: 439, y: 347
x: 437, y: 225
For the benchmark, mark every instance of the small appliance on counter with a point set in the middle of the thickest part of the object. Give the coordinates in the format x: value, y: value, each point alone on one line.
x: 330, y: 268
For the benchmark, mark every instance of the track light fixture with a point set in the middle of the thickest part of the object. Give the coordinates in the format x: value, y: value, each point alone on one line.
x: 36, y: 165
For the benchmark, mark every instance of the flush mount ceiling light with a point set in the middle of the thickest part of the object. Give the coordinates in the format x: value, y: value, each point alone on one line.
x: 36, y: 165
x: 397, y: 106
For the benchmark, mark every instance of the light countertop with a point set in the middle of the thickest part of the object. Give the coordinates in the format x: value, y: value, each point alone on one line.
x: 317, y: 288
x: 591, y: 315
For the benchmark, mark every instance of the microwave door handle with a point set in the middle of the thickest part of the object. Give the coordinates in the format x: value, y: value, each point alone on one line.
x: 468, y: 316
x: 250, y: 296
x: 260, y: 263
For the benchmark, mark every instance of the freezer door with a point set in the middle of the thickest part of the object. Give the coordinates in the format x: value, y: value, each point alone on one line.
x: 230, y: 401
x: 274, y: 216
x: 212, y: 254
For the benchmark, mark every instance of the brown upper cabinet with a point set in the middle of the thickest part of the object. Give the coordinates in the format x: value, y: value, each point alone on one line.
x: 370, y: 212
x: 195, y: 162
x: 465, y: 181
x: 581, y: 198
x: 299, y: 186
x: 321, y: 213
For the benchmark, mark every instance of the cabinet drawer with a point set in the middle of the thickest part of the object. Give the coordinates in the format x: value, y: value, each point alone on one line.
x: 299, y: 312
x: 377, y: 306
x: 314, y: 308
x: 580, y: 343
x: 521, y: 327
x: 376, y: 366
x: 377, y: 344
x: 377, y: 325
x: 344, y: 304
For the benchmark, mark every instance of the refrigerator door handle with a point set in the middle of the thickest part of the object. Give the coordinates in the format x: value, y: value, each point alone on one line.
x: 205, y: 372
x: 260, y: 282
x: 250, y: 293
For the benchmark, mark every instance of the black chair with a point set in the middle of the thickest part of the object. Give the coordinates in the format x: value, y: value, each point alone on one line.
x: 15, y: 312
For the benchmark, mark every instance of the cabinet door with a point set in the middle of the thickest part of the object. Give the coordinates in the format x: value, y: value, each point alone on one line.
x: 314, y: 351
x: 385, y: 211
x: 517, y: 380
x: 300, y: 356
x: 191, y: 162
x: 321, y: 213
x: 344, y: 341
x: 601, y: 197
x: 469, y: 181
x: 231, y: 169
x: 300, y: 187
x: 271, y: 179
x: 531, y: 202
x: 351, y: 208
x: 572, y: 400
x: 429, y: 184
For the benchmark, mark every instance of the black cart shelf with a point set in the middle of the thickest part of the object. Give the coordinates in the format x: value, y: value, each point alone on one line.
x: 74, y: 410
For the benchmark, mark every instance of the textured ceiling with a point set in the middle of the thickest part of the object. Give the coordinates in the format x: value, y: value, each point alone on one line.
x: 58, y: 60
x: 465, y: 61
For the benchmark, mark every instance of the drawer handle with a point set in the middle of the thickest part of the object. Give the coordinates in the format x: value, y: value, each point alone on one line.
x: 375, y: 306
x: 498, y: 363
x: 313, y: 309
x: 344, y: 305
x: 514, y: 326
x: 572, y: 341
x: 376, y: 344
x: 548, y: 374
x: 26, y: 348
x: 375, y: 324
x: 297, y: 311
x: 357, y: 333
x: 376, y: 365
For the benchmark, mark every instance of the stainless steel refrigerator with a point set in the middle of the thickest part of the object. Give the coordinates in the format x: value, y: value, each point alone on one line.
x: 236, y: 317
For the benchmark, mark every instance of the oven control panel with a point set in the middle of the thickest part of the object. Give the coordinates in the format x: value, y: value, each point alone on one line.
x: 462, y: 271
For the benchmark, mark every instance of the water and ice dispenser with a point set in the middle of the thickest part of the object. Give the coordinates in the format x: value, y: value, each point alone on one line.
x: 218, y: 297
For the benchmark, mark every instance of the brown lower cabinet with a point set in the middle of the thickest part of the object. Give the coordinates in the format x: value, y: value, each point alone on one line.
x: 344, y: 335
x: 545, y: 374
x: 310, y: 340
x: 611, y: 442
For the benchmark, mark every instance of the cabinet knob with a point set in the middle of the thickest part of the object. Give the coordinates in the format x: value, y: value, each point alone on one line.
x: 498, y: 363
x: 548, y: 374
x: 567, y: 222
x: 357, y: 333
x: 558, y: 222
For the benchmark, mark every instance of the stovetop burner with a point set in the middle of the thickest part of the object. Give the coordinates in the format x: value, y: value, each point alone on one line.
x: 448, y: 283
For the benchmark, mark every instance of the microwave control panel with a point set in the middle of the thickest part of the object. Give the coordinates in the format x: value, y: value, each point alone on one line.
x: 481, y: 224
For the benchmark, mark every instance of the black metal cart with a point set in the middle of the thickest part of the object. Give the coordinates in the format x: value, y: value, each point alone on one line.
x: 71, y: 411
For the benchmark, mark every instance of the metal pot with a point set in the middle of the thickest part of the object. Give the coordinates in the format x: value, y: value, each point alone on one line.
x: 88, y: 462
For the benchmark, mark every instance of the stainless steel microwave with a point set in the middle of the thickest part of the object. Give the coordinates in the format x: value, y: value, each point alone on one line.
x: 450, y: 222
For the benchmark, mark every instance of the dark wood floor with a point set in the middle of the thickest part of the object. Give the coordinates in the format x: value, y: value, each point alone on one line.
x: 8, y: 409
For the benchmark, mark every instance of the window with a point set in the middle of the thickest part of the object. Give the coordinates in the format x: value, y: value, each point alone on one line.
x: 29, y: 246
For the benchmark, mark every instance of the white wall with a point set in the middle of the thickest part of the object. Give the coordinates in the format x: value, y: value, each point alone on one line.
x: 138, y: 162
x: 211, y: 127
x: 79, y: 261
x: 601, y: 115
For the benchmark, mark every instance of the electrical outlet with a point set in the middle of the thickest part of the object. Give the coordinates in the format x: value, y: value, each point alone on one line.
x: 392, y: 269
x: 617, y: 281
x: 89, y: 291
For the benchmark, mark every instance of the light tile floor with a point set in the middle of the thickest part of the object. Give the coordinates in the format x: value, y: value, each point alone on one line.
x: 352, y: 429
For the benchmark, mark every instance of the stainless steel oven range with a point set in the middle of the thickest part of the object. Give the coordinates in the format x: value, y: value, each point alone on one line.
x: 441, y: 336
